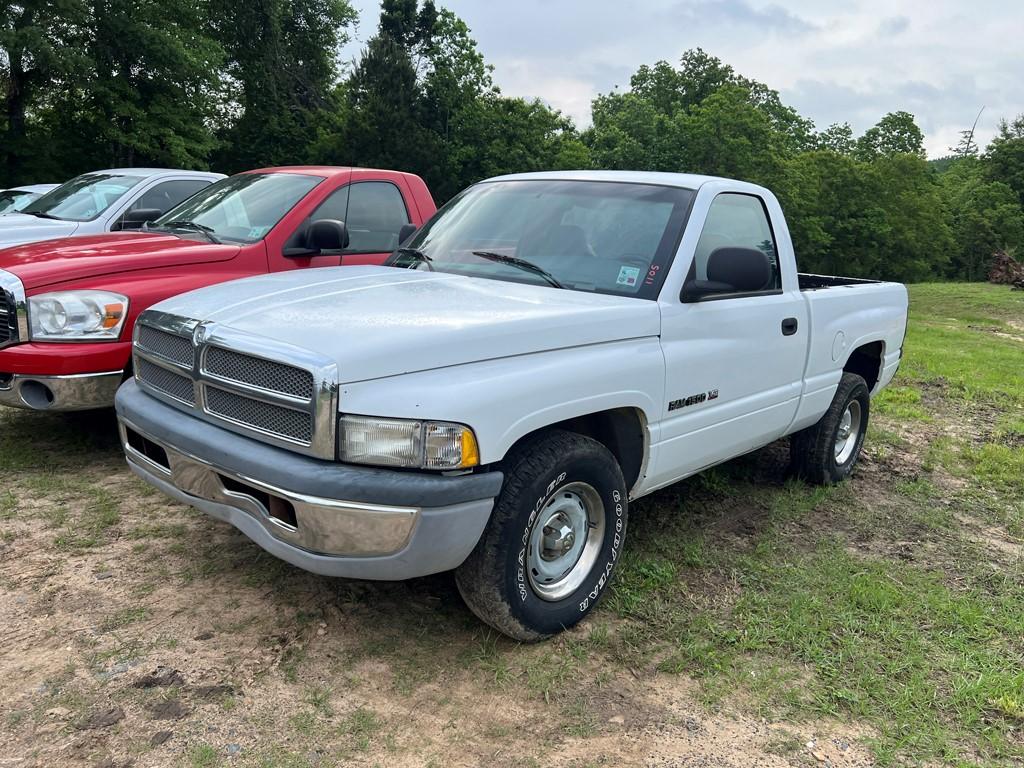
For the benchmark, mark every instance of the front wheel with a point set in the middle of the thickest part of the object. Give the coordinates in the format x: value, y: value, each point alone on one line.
x: 553, y: 540
x: 827, y: 452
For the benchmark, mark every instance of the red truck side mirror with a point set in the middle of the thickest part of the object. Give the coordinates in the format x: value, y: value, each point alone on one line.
x: 321, y: 235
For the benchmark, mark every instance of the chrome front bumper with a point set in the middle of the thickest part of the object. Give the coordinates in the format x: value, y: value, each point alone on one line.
x: 80, y: 392
x: 329, y: 536
x: 327, y: 526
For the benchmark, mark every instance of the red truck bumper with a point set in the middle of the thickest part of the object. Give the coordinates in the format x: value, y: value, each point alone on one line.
x: 62, y: 377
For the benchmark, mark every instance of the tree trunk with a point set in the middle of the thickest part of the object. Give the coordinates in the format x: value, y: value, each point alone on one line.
x: 15, y: 112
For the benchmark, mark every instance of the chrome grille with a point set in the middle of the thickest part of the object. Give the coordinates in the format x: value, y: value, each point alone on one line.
x: 257, y: 372
x: 266, y: 417
x: 269, y: 390
x: 8, y: 319
x: 168, y: 345
x: 173, y: 384
x: 13, y: 320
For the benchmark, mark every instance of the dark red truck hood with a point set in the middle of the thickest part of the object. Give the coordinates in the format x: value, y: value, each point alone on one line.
x: 74, y: 258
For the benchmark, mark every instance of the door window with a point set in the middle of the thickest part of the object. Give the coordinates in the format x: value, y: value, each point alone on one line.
x: 376, y: 212
x: 737, y: 221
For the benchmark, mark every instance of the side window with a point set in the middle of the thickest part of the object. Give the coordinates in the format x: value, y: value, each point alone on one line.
x: 335, y: 206
x: 737, y: 221
x: 165, y: 196
x: 376, y: 212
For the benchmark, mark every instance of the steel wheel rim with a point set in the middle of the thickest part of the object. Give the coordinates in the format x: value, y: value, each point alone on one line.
x: 565, y: 541
x: 848, y: 433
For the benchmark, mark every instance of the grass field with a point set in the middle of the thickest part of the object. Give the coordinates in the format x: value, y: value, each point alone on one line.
x: 755, y: 620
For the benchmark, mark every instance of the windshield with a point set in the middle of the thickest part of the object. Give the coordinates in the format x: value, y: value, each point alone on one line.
x: 603, y: 237
x: 240, y: 209
x: 12, y: 200
x: 83, y: 198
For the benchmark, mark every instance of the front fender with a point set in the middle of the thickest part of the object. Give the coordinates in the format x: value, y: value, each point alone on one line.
x: 505, y: 399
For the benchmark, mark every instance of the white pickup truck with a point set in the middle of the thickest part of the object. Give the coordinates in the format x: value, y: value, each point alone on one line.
x: 545, y: 350
x: 101, y: 201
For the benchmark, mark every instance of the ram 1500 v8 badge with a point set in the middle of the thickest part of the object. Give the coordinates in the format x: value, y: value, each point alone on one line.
x: 544, y: 351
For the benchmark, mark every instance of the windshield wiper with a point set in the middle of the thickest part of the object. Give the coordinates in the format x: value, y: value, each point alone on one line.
x: 523, y: 264
x: 41, y: 215
x: 194, y: 226
x: 418, y: 256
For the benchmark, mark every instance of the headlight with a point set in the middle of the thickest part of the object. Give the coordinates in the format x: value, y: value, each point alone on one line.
x: 407, y: 443
x: 77, y: 315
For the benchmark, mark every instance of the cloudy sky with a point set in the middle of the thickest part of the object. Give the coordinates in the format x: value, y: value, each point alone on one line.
x: 853, y: 61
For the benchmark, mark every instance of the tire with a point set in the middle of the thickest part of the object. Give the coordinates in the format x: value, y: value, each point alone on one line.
x: 815, y: 452
x: 511, y: 579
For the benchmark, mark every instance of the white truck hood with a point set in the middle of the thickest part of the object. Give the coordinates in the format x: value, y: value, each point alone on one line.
x: 18, y: 228
x: 385, y: 321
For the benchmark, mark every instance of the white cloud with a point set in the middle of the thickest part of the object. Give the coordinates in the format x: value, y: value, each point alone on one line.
x: 852, y: 61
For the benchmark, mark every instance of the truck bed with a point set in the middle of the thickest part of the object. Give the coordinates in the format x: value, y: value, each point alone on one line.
x: 818, y: 282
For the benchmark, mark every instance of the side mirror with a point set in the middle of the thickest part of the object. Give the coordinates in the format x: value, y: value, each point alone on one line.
x: 134, y: 219
x: 731, y: 270
x: 327, y: 235
x: 321, y: 235
x: 407, y: 231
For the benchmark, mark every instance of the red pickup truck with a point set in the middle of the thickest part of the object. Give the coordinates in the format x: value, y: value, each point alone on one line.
x: 68, y: 307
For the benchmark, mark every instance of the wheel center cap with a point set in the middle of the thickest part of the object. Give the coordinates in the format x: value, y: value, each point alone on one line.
x: 559, y: 538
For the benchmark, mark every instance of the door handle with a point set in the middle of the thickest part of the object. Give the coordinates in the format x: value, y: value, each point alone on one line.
x: 789, y: 326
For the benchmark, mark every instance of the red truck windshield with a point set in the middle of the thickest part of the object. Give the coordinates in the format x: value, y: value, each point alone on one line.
x: 596, y: 236
x: 240, y: 209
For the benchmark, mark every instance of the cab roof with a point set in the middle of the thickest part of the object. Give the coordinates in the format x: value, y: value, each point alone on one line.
x: 682, y: 180
x: 326, y: 171
x: 147, y: 172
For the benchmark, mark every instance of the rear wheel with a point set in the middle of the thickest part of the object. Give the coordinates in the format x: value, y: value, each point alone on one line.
x: 553, y: 539
x: 827, y: 452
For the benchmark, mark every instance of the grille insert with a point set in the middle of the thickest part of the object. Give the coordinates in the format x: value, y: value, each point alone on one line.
x: 176, y: 348
x: 257, y: 372
x: 267, y: 417
x: 173, y: 384
x: 8, y: 319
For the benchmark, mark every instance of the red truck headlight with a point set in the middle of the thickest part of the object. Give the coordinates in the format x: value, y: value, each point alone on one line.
x: 84, y: 315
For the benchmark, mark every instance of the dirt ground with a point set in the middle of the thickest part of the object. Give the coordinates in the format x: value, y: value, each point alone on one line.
x: 136, y: 631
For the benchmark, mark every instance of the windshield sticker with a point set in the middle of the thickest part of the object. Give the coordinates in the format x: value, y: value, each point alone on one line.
x: 257, y: 232
x: 628, y: 276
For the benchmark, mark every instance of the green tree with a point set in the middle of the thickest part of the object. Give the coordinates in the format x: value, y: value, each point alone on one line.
x: 917, y: 241
x: 894, y: 134
x: 1004, y: 157
x: 281, y: 77
x: 985, y: 216
x: 835, y: 217
x: 883, y: 219
x: 152, y: 86
x: 727, y: 135
x: 422, y: 99
x: 38, y: 53
x: 838, y: 137
x: 677, y: 120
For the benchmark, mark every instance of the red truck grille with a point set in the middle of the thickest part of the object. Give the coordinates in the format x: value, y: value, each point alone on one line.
x: 12, y: 298
x: 8, y: 321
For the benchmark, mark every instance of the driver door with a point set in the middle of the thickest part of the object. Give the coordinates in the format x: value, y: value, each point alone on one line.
x: 734, y: 364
